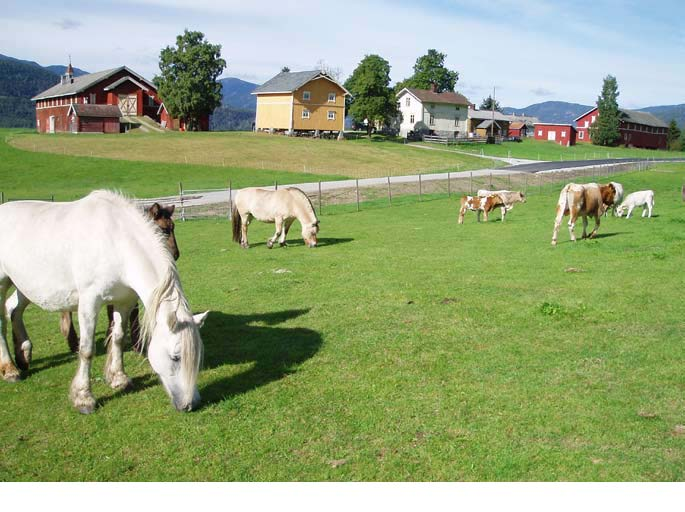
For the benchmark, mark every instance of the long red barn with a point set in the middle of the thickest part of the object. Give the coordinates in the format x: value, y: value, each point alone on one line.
x: 638, y: 129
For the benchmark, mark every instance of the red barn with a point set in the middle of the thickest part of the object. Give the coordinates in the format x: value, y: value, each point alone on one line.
x: 518, y: 129
x: 563, y: 134
x: 98, y: 102
x: 637, y: 129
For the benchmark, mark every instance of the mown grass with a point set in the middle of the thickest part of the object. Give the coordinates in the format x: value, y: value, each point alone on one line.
x: 405, y: 347
x: 362, y: 158
x: 27, y: 174
x: 532, y: 149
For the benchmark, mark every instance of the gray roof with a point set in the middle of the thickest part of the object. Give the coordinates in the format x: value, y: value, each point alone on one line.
x: 81, y: 83
x: 487, y: 114
x: 291, y: 81
x: 644, y: 118
x: 487, y: 124
x: 86, y: 110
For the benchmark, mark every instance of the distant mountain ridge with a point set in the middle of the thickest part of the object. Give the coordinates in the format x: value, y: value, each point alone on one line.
x: 565, y: 113
x: 237, y: 93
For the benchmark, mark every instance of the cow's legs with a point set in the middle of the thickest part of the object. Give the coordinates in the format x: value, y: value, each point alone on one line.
x: 503, y: 210
x: 462, y: 212
x: 8, y: 371
x: 279, y: 227
x: 630, y: 210
x: 22, y: 345
x: 597, y: 220
x: 81, y: 395
x: 114, y: 366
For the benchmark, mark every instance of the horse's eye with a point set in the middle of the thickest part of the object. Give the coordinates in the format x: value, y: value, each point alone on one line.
x: 176, y: 358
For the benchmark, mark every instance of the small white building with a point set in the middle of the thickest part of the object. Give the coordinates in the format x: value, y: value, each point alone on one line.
x: 436, y: 113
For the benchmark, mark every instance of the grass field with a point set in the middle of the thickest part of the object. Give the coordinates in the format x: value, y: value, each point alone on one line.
x: 405, y: 347
x: 360, y: 158
x: 531, y: 149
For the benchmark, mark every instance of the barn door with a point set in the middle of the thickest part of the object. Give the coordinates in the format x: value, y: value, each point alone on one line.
x: 551, y: 135
x: 128, y: 105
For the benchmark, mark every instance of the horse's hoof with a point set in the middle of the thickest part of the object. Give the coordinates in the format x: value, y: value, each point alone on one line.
x: 284, y: 244
x: 10, y: 373
x: 119, y: 382
x: 84, y: 402
x: 270, y: 244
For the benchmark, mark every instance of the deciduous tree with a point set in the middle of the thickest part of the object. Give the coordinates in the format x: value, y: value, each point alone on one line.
x: 673, y: 136
x: 187, y: 82
x: 430, y: 69
x: 372, y: 99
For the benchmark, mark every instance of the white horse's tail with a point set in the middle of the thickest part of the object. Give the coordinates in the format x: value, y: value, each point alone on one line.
x: 236, y: 221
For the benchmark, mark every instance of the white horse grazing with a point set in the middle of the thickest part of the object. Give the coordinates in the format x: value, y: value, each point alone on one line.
x: 281, y: 207
x: 644, y: 198
x: 78, y: 256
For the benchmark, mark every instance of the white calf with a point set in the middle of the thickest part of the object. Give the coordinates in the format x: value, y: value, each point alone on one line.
x: 644, y: 198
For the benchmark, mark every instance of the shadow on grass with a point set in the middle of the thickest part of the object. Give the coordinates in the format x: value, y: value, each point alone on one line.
x: 322, y: 242
x: 274, y: 352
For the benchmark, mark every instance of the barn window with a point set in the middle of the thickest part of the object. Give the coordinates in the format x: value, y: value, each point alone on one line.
x: 407, y: 102
x: 306, y: 95
x: 331, y: 115
x: 305, y: 114
x: 581, y: 135
x: 331, y: 97
x: 563, y: 134
x: 539, y: 133
x: 92, y: 98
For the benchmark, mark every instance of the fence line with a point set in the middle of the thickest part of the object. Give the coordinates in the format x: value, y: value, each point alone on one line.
x: 375, y: 192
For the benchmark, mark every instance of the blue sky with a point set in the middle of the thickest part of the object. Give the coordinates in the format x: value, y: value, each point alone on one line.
x: 530, y: 50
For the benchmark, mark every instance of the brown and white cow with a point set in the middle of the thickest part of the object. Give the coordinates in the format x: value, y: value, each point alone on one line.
x: 587, y: 200
x: 510, y: 197
x: 479, y: 204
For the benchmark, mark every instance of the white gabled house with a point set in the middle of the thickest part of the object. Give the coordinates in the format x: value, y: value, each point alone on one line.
x: 435, y: 113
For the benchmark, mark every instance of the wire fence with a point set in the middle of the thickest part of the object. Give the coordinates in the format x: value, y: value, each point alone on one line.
x: 330, y: 197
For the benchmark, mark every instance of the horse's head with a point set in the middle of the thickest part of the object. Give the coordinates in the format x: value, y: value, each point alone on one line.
x: 523, y: 197
x: 175, y: 354
x: 309, y: 232
x: 162, y: 217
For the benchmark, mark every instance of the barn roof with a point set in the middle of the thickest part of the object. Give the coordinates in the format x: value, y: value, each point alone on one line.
x: 487, y: 114
x: 290, y: 81
x: 428, y: 96
x: 81, y: 83
x: 517, y: 125
x: 86, y: 110
x: 644, y: 118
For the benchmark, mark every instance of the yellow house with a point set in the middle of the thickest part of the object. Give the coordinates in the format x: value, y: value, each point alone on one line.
x: 301, y: 101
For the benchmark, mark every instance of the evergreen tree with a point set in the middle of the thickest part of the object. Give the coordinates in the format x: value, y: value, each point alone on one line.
x: 430, y: 69
x: 372, y: 99
x: 285, y: 69
x: 605, y: 130
x: 682, y: 140
x: 187, y: 83
x: 673, y: 136
x: 487, y: 104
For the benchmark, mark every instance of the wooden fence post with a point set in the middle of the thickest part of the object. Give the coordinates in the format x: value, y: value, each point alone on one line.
x: 389, y: 192
x: 320, y: 209
x: 357, y: 188
x: 471, y: 183
x: 230, y: 199
x: 420, y: 191
x: 449, y: 188
x: 180, y: 195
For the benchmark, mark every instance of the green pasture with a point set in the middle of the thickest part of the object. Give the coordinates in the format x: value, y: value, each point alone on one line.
x: 28, y: 174
x: 217, y: 151
x: 531, y: 149
x: 405, y: 347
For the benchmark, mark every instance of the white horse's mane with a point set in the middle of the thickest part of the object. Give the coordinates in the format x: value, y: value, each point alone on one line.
x: 312, y: 211
x: 168, y: 290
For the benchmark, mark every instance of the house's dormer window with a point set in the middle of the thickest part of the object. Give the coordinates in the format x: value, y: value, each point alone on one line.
x: 306, y: 95
x: 331, y: 97
x: 407, y: 102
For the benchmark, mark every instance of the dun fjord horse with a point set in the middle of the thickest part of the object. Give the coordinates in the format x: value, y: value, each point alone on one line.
x: 161, y: 216
x: 588, y: 200
x: 78, y: 256
x: 281, y: 207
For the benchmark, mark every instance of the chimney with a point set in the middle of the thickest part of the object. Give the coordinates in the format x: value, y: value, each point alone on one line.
x: 434, y: 87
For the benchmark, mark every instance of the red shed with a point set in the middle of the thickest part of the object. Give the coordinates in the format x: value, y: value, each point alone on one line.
x: 637, y: 129
x: 518, y: 129
x: 563, y: 134
x: 94, y: 118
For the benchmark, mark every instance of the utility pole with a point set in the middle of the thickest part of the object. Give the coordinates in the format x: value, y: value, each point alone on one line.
x: 492, y: 105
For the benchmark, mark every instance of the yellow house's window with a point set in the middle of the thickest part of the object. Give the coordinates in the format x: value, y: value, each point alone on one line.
x: 306, y: 95
x: 305, y: 114
x: 331, y: 97
x: 331, y: 115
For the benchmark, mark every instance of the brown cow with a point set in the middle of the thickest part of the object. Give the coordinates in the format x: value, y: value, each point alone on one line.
x: 479, y: 204
x: 588, y: 200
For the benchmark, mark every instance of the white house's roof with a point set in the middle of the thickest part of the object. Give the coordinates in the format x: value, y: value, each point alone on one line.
x: 427, y: 96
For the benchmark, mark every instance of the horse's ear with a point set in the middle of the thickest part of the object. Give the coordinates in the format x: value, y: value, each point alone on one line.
x: 153, y: 211
x: 171, y: 209
x: 316, y: 223
x: 200, y: 318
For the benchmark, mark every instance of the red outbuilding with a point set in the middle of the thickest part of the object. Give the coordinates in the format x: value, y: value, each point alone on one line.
x: 563, y: 134
x: 637, y: 129
x: 518, y: 129
x: 103, y: 102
